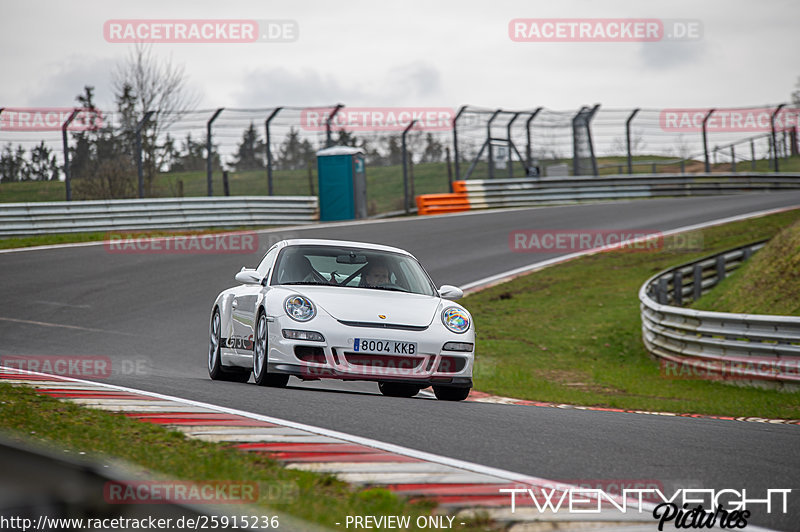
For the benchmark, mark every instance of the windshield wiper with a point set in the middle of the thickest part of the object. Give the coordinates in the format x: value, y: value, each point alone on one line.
x: 308, y: 282
x: 388, y: 288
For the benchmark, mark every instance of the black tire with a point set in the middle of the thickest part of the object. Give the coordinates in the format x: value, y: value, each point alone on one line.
x: 396, y: 389
x: 261, y: 374
x: 216, y: 370
x: 451, y: 393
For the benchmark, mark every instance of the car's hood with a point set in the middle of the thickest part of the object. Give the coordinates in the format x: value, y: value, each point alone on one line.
x: 368, y: 305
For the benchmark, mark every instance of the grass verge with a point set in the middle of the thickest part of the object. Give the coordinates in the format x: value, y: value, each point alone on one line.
x: 572, y: 334
x: 768, y: 283
x: 320, y: 499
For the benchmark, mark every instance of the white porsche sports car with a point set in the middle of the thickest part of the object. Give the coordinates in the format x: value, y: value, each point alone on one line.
x: 334, y: 309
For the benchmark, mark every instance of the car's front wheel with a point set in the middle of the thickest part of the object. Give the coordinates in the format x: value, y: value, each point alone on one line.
x: 451, y: 393
x: 396, y: 389
x: 216, y: 370
x: 261, y: 358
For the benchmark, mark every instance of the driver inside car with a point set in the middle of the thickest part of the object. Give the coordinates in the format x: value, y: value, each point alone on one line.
x: 375, y: 275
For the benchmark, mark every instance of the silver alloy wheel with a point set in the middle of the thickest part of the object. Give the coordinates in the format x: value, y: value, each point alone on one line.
x: 213, y: 342
x: 260, y: 347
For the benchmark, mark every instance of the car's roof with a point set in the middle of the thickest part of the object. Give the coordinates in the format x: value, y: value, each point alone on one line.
x: 343, y: 243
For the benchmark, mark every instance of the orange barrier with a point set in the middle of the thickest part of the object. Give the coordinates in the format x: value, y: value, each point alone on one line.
x: 456, y: 201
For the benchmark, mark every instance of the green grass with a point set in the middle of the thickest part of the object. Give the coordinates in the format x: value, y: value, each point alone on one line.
x: 384, y: 183
x: 70, y: 238
x: 768, y: 283
x: 322, y: 499
x: 572, y: 333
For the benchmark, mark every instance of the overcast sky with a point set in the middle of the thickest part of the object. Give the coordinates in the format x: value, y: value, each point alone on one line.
x: 434, y: 52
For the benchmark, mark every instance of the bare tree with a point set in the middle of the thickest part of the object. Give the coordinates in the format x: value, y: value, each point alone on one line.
x: 158, y: 85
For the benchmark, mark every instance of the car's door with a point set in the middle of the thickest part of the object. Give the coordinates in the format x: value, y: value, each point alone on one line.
x: 244, y: 307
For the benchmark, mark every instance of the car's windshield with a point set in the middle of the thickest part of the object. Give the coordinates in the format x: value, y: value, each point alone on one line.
x: 352, y: 268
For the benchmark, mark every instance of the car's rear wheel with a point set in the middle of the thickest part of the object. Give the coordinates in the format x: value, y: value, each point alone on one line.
x: 261, y: 358
x: 451, y: 393
x: 396, y: 389
x: 216, y: 370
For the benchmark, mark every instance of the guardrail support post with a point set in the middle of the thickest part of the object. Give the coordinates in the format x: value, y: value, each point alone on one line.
x: 328, y: 139
x: 405, y: 167
x: 720, y: 264
x: 697, y: 282
x: 705, y: 140
x: 139, y: 166
x: 775, y: 166
x: 628, y: 139
x: 209, y: 153
x: 677, y: 288
x: 65, y: 140
x: 661, y: 291
x: 455, y: 143
x: 268, y: 141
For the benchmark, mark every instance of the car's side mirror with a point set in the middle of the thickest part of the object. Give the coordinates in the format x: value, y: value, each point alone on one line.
x: 450, y: 292
x: 248, y: 276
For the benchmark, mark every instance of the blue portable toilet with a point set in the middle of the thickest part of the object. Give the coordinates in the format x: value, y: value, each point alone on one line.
x: 342, y: 183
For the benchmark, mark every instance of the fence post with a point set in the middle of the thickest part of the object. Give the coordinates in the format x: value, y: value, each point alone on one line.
x: 628, y: 139
x: 752, y: 155
x: 508, y: 134
x: 405, y: 167
x: 489, y: 142
x: 588, y: 122
x: 455, y: 143
x: 776, y: 166
x: 209, y: 154
x: 65, y: 140
x: 733, y: 159
x: 139, y: 166
x: 576, y: 167
x: 226, y: 189
x: 328, y: 139
x: 705, y: 140
x: 269, y: 147
x: 528, y: 146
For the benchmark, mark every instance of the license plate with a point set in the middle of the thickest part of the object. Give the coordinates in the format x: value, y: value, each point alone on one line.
x: 389, y: 347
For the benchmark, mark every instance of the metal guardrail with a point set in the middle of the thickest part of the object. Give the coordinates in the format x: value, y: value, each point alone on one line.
x: 486, y: 193
x: 717, y: 345
x: 19, y: 219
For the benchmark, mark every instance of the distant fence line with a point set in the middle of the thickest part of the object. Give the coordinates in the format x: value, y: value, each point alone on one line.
x: 475, y: 141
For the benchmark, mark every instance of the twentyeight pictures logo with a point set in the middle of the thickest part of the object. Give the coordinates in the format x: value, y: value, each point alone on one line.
x: 197, y: 31
x: 378, y: 118
x: 561, y: 30
x: 49, y: 119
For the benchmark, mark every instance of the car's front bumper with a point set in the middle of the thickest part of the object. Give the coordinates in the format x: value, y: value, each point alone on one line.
x: 335, y: 358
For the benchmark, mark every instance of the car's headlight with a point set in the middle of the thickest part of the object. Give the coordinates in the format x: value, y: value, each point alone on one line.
x: 455, y: 319
x: 299, y: 308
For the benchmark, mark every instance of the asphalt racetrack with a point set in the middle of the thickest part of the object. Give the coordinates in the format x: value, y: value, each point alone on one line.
x: 149, y: 313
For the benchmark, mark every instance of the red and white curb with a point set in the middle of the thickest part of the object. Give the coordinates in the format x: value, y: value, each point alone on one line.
x: 461, y: 489
x: 481, y: 397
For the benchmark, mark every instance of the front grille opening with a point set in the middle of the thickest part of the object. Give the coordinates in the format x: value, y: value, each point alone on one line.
x: 310, y: 353
x: 390, y: 362
x: 448, y: 364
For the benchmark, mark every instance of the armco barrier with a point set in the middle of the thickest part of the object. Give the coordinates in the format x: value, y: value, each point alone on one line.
x: 18, y: 219
x: 487, y: 193
x: 754, y: 348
